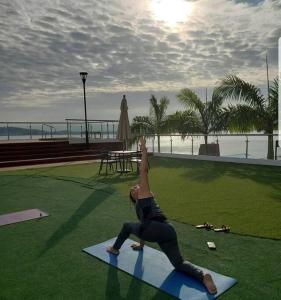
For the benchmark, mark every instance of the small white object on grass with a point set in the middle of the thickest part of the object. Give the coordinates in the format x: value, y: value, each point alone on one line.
x: 211, y: 245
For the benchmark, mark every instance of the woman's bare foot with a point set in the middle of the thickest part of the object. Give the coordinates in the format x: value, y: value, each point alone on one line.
x: 209, y: 284
x: 110, y: 249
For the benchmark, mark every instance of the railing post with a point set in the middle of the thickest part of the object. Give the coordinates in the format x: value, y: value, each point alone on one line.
x: 30, y: 134
x: 101, y: 131
x: 42, y: 130
x: 192, y: 144
x: 67, y: 130
x: 247, y: 146
x: 113, y: 130
x: 107, y: 130
x: 171, y: 140
x: 51, y: 132
x: 70, y: 129
x: 81, y: 131
x: 8, y: 133
x: 153, y: 140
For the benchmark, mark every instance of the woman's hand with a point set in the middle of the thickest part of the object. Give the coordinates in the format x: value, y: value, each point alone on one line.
x: 137, y: 246
x: 142, y: 144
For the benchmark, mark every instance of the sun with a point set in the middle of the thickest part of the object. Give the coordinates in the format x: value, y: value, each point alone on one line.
x: 171, y: 11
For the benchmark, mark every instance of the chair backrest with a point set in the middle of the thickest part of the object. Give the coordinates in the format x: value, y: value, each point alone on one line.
x: 137, y: 154
x: 112, y: 156
x: 105, y: 155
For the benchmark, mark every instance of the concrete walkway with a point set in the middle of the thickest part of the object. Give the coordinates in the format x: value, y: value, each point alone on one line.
x: 50, y: 165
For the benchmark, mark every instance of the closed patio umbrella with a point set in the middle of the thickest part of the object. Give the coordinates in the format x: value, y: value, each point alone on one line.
x: 124, y: 130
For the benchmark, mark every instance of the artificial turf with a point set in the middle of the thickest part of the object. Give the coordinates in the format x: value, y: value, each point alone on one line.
x: 42, y: 259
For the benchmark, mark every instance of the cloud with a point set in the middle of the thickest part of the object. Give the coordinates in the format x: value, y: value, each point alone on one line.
x: 45, y: 44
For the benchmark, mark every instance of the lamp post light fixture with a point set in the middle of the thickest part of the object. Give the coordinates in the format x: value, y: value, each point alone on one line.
x: 83, y: 76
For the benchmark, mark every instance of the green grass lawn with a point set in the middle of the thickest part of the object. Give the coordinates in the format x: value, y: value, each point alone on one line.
x: 42, y: 259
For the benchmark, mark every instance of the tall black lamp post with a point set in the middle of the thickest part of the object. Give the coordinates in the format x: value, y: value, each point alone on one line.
x: 83, y: 76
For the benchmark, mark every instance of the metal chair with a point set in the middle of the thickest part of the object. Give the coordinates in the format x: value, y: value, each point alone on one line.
x: 136, y: 158
x: 125, y: 164
x: 108, y: 160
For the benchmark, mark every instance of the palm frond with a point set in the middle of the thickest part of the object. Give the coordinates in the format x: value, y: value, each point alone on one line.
x: 165, y: 126
x: 273, y: 102
x: 163, y: 105
x: 142, y: 124
x: 235, y: 88
x: 190, y: 100
x: 242, y: 118
x: 217, y: 100
x: 218, y: 120
x: 158, y: 114
x: 223, y: 120
x: 154, y: 107
x: 185, y: 122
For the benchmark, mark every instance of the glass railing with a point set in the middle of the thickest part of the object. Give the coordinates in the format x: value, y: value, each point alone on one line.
x: 97, y: 129
x: 230, y: 145
x: 250, y: 145
x: 70, y: 129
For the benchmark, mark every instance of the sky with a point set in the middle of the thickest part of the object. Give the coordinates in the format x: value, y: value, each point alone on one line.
x: 131, y: 47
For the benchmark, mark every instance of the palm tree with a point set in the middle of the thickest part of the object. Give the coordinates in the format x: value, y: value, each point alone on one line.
x: 183, y: 122
x: 256, y: 113
x: 157, y: 121
x: 207, y: 116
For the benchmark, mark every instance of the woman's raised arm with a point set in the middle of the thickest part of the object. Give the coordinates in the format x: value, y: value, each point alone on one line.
x: 144, y: 191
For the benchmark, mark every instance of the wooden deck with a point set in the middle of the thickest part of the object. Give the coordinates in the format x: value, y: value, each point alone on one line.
x: 37, y: 152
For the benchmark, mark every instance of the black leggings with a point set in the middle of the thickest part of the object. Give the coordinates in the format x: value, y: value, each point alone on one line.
x: 165, y: 235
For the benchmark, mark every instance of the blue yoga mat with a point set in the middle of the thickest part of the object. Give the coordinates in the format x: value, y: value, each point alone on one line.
x: 152, y: 266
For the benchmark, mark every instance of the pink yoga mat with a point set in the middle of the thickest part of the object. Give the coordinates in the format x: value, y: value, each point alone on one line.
x: 21, y: 216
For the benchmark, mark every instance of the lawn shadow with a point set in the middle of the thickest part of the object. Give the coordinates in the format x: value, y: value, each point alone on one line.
x: 88, y: 205
x: 114, y: 178
x: 28, y: 173
x: 208, y: 171
x: 264, y: 175
x: 113, y: 290
x: 19, y: 178
x: 174, y: 284
x: 90, y: 184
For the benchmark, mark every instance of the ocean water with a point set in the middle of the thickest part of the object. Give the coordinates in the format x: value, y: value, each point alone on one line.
x: 230, y: 146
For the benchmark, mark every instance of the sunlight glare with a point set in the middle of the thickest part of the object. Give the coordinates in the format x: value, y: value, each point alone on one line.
x: 171, y: 11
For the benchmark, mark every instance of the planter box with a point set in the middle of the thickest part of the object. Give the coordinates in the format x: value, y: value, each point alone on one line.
x: 211, y: 149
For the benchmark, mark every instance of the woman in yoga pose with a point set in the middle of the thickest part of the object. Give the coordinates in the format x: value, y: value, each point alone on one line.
x: 154, y: 227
